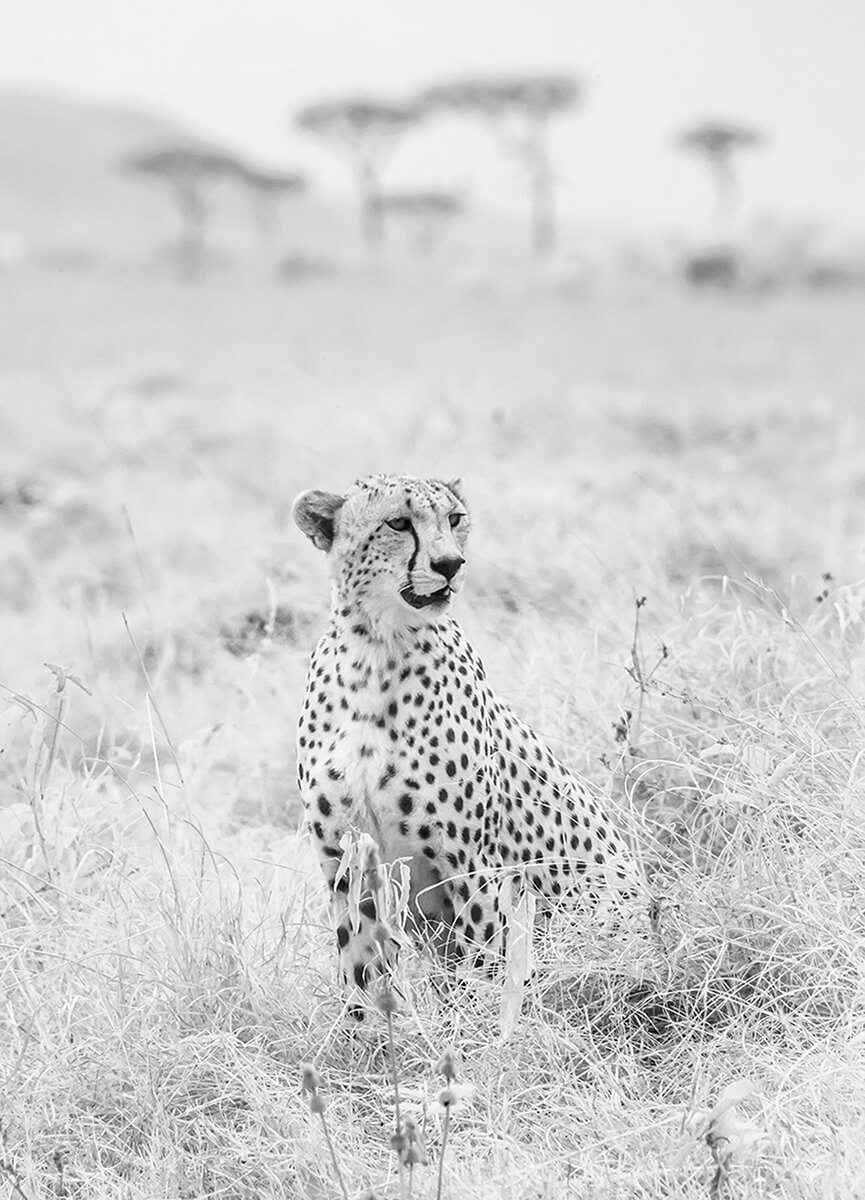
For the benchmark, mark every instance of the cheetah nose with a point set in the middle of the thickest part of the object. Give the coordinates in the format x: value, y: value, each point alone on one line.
x: 447, y: 566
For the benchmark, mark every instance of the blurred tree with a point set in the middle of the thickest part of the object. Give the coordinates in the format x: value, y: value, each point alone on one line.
x: 267, y: 189
x: 189, y: 170
x: 518, y: 111
x: 718, y: 142
x: 424, y: 214
x: 367, y: 130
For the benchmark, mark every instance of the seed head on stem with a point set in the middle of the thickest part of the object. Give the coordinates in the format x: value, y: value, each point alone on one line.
x: 310, y: 1082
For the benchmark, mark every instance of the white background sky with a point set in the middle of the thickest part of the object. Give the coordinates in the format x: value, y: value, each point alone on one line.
x: 234, y: 69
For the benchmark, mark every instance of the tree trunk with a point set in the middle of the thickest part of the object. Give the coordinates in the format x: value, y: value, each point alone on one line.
x: 726, y: 193
x: 427, y: 234
x: 190, y: 247
x: 371, y: 213
x: 541, y: 197
x: 265, y: 216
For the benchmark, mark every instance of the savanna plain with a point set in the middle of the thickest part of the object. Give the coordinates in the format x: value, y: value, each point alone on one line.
x: 665, y: 579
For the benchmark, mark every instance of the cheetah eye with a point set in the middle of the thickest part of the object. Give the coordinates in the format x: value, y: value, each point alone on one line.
x: 455, y: 519
x: 400, y: 524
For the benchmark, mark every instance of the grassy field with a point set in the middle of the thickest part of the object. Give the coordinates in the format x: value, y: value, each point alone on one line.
x: 166, y: 955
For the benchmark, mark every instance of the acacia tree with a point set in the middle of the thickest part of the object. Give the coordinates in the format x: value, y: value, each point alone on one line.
x: 366, y: 130
x: 424, y: 214
x: 718, y: 143
x: 189, y: 171
x: 267, y: 189
x: 518, y: 111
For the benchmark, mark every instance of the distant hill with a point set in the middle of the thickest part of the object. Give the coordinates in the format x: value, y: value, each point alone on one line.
x: 63, y: 189
x: 60, y: 187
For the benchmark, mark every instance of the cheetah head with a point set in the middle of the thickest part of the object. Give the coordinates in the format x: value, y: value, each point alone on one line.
x: 394, y: 545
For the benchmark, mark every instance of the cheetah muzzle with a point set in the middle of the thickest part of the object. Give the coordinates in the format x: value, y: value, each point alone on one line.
x: 440, y: 599
x: 401, y: 737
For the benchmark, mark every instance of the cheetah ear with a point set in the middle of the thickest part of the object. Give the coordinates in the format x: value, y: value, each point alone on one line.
x: 456, y: 486
x: 313, y: 514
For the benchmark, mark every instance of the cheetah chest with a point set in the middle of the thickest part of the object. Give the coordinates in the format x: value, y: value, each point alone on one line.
x: 363, y: 761
x: 376, y: 791
x: 355, y: 765
x: 395, y: 748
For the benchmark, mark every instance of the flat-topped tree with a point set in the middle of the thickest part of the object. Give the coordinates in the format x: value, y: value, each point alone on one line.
x: 424, y: 214
x: 189, y: 170
x: 267, y: 190
x: 366, y: 130
x: 718, y: 143
x: 518, y: 110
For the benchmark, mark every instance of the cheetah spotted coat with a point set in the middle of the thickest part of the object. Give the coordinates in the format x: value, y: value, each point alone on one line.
x: 401, y: 737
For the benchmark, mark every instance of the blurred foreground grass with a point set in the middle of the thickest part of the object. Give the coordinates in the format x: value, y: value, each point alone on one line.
x: 166, y: 958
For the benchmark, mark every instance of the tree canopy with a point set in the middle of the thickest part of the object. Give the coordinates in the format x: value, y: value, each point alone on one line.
x: 275, y: 183
x: 537, y: 95
x: 424, y: 203
x: 716, y: 139
x: 195, y: 161
x: 355, y: 118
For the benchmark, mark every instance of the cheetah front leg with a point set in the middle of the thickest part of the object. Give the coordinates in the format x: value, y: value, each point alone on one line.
x: 477, y: 932
x: 366, y: 947
x: 455, y: 903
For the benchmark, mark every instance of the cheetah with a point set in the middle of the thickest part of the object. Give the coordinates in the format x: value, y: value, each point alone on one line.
x: 400, y: 736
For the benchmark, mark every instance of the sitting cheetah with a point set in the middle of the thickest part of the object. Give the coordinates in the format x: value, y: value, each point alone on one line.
x: 401, y: 737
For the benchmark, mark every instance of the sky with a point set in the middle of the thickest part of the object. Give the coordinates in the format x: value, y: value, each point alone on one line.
x: 236, y: 69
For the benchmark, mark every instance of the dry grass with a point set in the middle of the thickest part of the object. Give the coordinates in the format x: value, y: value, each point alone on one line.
x: 166, y: 959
